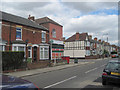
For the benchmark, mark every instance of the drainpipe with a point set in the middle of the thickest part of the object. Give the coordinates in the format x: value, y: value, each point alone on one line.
x: 10, y: 38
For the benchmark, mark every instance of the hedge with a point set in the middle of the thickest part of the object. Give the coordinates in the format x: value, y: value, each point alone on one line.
x: 12, y: 60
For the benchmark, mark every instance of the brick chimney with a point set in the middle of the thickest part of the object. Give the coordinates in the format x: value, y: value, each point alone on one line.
x: 99, y: 40
x: 95, y: 43
x: 31, y: 18
x: 77, y: 35
x: 90, y: 37
x: 95, y: 38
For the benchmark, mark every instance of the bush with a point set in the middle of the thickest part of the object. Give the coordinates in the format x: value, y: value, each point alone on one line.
x: 12, y: 60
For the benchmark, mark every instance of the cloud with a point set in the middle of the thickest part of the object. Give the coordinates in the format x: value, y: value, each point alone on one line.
x: 86, y: 7
x: 93, y: 24
x: 74, y: 16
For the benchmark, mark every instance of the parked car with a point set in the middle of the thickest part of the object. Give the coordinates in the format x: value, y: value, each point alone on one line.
x: 111, y: 73
x: 114, y: 55
x: 10, y: 82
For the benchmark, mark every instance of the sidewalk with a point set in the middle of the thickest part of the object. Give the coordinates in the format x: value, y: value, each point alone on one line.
x: 44, y: 70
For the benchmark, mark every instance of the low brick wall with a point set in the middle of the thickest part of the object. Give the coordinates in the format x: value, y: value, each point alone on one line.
x: 92, y: 57
x: 38, y: 64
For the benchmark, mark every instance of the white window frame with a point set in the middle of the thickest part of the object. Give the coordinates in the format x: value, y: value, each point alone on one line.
x: 44, y: 36
x: 19, y: 31
x: 44, y: 52
x: 19, y: 45
x: 30, y: 51
x: 3, y: 47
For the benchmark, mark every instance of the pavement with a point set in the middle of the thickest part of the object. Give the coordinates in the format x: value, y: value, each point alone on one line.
x: 44, y: 70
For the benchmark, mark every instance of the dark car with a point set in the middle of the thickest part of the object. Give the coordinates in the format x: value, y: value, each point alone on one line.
x: 111, y: 73
x: 10, y: 82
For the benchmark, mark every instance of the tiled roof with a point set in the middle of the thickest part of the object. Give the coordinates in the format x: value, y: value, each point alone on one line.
x: 20, y: 20
x: 82, y: 37
x: 72, y: 38
x: 46, y: 20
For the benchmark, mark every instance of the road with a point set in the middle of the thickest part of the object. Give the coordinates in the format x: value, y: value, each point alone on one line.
x: 82, y: 76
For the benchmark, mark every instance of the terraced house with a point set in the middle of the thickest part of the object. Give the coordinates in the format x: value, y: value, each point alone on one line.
x: 81, y: 45
x: 21, y: 34
x: 77, y: 46
x: 56, y: 36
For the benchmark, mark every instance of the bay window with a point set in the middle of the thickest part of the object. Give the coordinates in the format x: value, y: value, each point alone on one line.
x: 44, y: 52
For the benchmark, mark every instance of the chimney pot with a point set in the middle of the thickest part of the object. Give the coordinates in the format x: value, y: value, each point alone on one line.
x: 95, y: 38
x: 31, y: 18
x: 77, y: 35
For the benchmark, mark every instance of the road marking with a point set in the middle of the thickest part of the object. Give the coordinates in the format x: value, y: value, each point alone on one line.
x: 94, y: 69
x: 91, y: 70
x: 103, y: 65
x: 60, y: 82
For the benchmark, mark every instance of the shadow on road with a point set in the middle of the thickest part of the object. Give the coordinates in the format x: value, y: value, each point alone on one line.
x: 111, y: 86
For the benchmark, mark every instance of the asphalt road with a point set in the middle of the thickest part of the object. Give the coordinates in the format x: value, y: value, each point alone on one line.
x: 82, y: 76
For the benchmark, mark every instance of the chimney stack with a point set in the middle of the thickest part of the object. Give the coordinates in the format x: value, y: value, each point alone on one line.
x: 99, y: 40
x: 77, y: 35
x: 95, y: 38
x: 31, y: 18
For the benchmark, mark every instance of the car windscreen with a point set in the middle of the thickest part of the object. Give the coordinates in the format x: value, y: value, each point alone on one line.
x: 113, y: 66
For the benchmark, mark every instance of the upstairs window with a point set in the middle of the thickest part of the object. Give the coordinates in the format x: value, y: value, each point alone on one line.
x: 43, y: 36
x: 18, y: 33
x: 53, y: 33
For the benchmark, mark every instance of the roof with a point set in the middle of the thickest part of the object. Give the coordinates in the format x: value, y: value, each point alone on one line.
x: 46, y: 20
x: 18, y: 42
x: 82, y: 37
x: 70, y: 39
x: 20, y: 20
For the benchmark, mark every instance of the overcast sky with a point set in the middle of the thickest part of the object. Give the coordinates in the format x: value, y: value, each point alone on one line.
x: 99, y: 19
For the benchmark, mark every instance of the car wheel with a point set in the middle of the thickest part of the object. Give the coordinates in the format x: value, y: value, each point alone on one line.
x: 104, y: 82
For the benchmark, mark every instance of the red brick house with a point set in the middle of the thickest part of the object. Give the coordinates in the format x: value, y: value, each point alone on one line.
x: 21, y: 34
x: 55, y: 34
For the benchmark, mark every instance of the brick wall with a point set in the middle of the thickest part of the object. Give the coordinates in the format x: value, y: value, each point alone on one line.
x: 58, y: 29
x: 33, y: 35
x: 77, y: 36
x: 28, y: 33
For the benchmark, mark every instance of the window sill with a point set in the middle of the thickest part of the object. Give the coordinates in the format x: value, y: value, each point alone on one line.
x: 19, y: 39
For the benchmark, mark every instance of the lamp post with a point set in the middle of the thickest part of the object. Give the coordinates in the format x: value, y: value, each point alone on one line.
x: 26, y: 42
x: 51, y: 41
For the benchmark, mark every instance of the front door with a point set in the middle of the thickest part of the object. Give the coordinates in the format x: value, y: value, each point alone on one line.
x: 35, y: 53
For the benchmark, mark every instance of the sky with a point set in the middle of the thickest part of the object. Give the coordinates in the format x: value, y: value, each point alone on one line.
x: 96, y: 17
